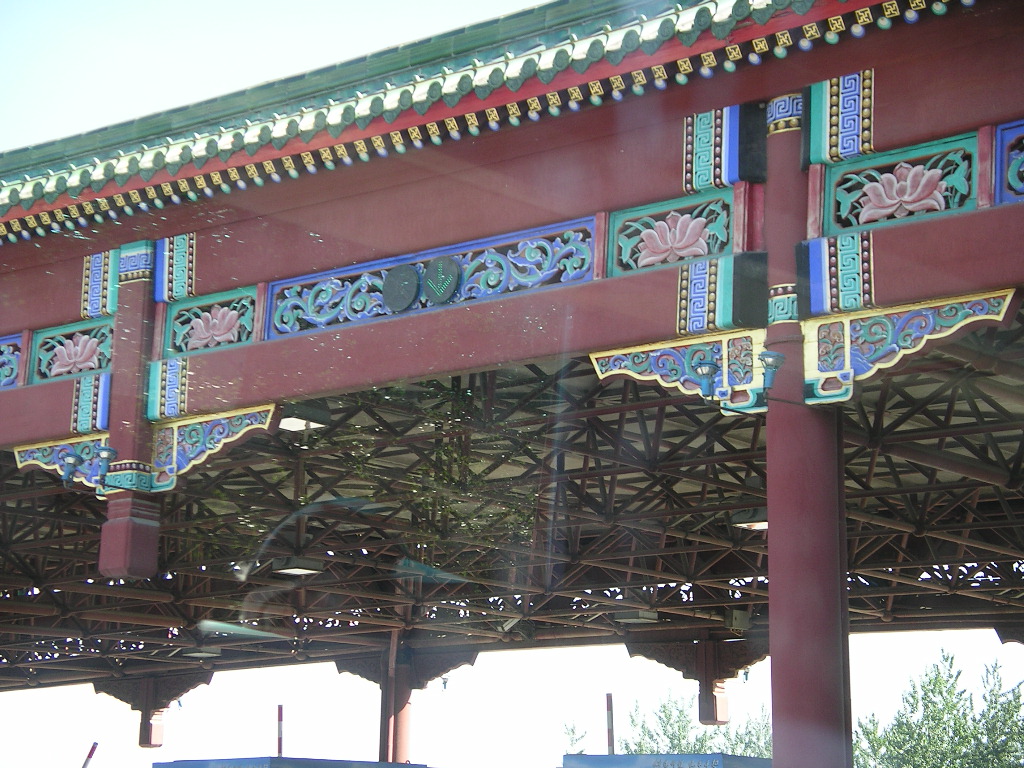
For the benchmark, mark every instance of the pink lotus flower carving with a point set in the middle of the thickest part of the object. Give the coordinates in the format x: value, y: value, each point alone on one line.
x: 908, y: 189
x: 678, y: 237
x: 219, y: 326
x: 79, y: 353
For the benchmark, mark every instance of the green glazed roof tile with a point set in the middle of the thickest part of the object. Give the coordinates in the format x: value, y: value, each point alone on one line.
x: 539, y: 43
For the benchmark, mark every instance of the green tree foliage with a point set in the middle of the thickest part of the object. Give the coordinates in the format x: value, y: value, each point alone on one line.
x: 938, y: 726
x: 672, y: 730
x: 574, y: 737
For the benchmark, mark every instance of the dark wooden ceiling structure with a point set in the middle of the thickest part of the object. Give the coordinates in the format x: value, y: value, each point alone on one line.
x: 527, y: 506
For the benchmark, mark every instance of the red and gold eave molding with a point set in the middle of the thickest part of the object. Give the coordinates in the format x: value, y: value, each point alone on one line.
x: 573, y: 68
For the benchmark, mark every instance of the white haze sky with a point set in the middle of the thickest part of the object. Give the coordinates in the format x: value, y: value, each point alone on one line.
x: 74, y: 66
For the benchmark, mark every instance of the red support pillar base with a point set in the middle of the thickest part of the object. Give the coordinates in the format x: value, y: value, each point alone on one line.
x: 129, y: 539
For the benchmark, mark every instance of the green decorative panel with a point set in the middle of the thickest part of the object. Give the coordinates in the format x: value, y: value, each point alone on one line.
x: 67, y: 350
x: 175, y: 263
x: 90, y: 409
x: 99, y: 284
x: 168, y: 389
x: 926, y: 180
x: 723, y: 147
x: 667, y: 233
x: 208, y: 322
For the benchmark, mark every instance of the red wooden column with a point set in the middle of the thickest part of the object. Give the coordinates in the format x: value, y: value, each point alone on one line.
x: 808, y: 631
x: 395, y: 702
x: 129, y: 538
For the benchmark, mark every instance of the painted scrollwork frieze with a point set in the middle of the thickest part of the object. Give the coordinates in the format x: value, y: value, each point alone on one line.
x: 558, y: 255
x: 10, y: 361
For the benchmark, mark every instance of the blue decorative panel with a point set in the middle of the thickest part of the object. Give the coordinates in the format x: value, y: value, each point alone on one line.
x: 135, y: 261
x: 174, y: 272
x: 726, y: 293
x: 10, y: 361
x: 99, y: 284
x: 557, y: 255
x: 1009, y: 159
x: 841, y: 117
x: 91, y: 404
x: 837, y: 274
x: 785, y: 113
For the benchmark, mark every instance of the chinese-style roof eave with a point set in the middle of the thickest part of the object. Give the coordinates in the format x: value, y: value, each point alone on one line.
x: 506, y: 60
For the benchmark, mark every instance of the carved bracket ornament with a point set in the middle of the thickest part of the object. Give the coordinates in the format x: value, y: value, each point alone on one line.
x: 50, y: 456
x: 713, y: 659
x: 178, y: 446
x: 739, y: 384
x: 181, y: 445
x: 839, y: 350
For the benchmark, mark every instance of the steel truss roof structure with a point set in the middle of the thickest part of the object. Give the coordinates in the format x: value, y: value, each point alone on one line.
x: 528, y: 506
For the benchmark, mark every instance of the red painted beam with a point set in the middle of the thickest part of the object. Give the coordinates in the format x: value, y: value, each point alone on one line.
x: 36, y: 414
x: 949, y: 256
x: 478, y: 335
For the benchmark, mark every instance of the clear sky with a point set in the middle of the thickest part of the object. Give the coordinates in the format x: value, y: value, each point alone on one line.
x: 75, y: 66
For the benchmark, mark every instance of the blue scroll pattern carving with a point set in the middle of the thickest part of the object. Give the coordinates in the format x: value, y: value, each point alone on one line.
x: 331, y: 301
x: 515, y: 262
x: 50, y: 456
x: 878, y: 340
x: 178, y: 446
x: 674, y: 365
x: 10, y: 361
